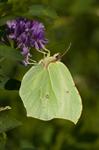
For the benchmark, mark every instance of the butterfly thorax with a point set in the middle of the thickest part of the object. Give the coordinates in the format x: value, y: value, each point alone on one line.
x: 52, y: 59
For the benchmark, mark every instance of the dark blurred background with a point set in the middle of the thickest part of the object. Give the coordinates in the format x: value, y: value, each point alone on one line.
x: 75, y: 21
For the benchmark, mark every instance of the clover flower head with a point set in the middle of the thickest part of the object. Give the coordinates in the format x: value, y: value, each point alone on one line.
x: 27, y: 34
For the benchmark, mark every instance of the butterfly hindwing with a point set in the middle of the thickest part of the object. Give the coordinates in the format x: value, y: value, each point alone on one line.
x: 49, y: 93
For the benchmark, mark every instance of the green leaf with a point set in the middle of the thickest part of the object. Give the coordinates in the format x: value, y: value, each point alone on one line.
x: 7, y: 51
x: 7, y: 70
x: 4, y: 19
x: 26, y: 145
x: 3, y: 139
x: 3, y: 79
x: 48, y: 92
x: 7, y: 122
x: 40, y: 10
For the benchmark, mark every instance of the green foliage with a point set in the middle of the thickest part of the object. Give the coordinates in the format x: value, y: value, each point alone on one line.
x: 43, y: 11
x: 13, y: 9
x: 11, y: 53
x: 2, y: 141
x: 7, y: 122
x: 78, y: 23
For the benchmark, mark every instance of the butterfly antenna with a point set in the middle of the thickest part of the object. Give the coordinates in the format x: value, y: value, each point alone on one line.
x: 66, y: 50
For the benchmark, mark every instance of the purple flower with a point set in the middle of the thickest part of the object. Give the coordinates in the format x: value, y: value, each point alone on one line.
x: 27, y: 34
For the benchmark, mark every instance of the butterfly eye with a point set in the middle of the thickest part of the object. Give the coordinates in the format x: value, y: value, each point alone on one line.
x: 57, y: 56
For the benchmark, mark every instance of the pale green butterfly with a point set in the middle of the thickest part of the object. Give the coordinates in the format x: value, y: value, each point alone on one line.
x: 48, y: 91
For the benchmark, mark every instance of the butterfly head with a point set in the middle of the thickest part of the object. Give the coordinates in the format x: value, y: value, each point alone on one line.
x: 57, y: 56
